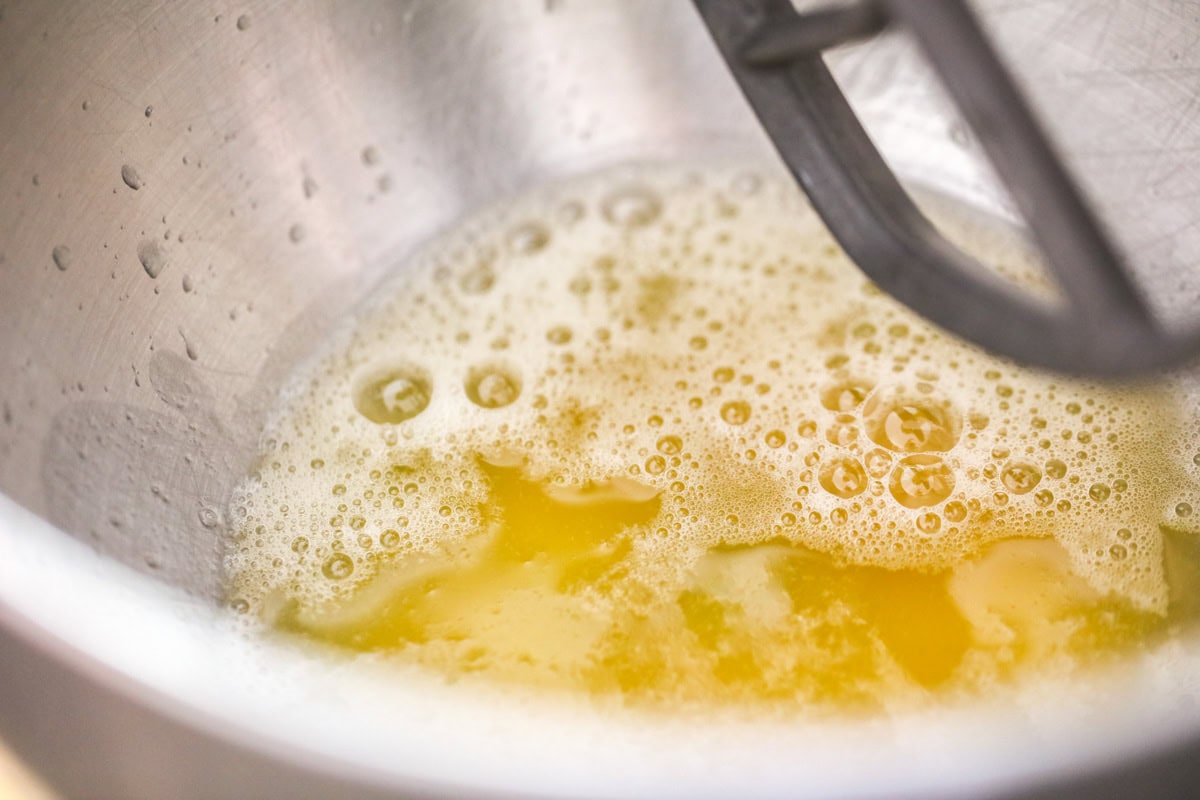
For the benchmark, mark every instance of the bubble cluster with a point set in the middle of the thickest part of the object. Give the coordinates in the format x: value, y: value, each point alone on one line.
x: 691, y: 378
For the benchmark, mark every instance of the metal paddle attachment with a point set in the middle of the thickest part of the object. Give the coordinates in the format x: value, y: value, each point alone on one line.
x: 1102, y: 326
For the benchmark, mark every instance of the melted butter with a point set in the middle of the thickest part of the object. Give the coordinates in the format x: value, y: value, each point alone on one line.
x: 668, y: 447
x: 542, y: 594
x: 508, y: 598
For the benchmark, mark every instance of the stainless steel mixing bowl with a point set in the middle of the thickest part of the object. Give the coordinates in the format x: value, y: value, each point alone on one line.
x: 191, y: 194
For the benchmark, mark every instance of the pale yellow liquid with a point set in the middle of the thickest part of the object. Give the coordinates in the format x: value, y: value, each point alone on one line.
x: 650, y: 436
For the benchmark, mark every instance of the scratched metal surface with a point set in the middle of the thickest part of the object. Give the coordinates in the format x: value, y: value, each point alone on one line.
x: 1117, y: 84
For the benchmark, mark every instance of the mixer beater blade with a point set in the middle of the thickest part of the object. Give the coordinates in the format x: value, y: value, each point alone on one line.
x: 1101, y: 327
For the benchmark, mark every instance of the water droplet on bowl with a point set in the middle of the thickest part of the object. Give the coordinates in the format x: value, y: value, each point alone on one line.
x: 152, y: 257
x: 188, y: 347
x: 131, y: 177
x: 61, y: 256
x: 209, y: 516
